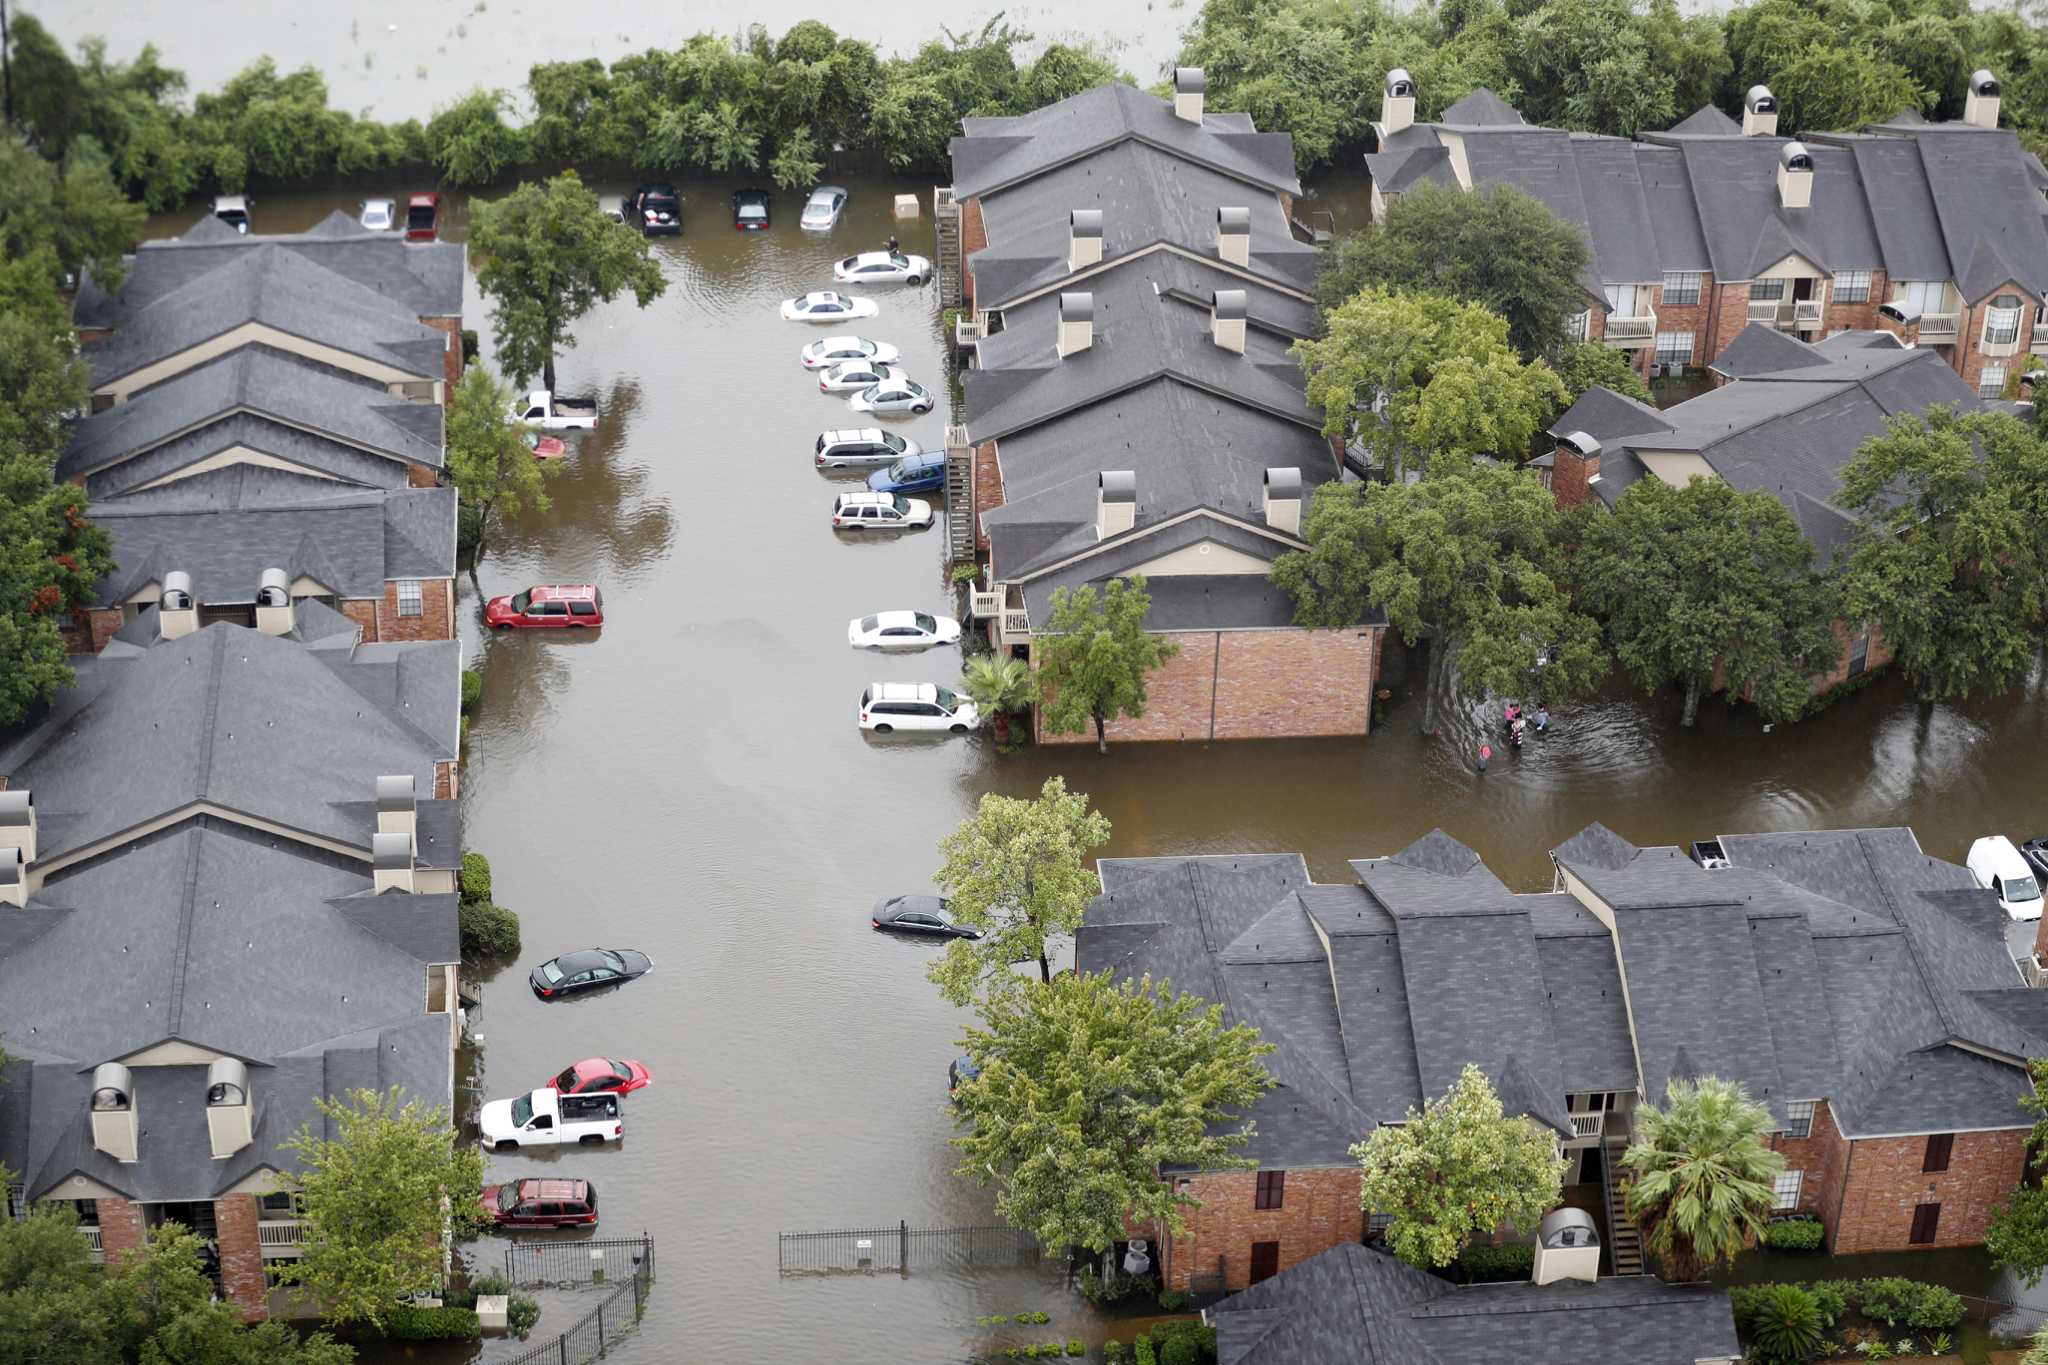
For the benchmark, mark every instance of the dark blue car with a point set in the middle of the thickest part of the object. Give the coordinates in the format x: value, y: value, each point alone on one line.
x: 911, y: 474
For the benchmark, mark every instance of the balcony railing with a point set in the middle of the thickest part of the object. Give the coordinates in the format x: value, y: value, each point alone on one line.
x: 986, y: 604
x: 1588, y: 1125
x: 91, y: 1235
x: 1805, y: 313
x: 1938, y: 324
x: 1632, y: 331
x: 1016, y: 623
x: 281, y: 1237
x: 1764, y: 310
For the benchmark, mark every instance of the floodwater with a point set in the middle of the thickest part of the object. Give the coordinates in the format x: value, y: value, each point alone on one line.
x: 690, y: 782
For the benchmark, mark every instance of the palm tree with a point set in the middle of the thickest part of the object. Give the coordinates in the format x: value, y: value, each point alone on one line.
x: 1702, y: 1174
x: 998, y: 687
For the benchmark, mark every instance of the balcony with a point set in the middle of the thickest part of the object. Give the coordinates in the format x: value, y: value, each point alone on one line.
x: 1764, y: 310
x: 1806, y: 314
x: 1934, y: 325
x: 967, y: 333
x: 91, y: 1234
x: 1632, y: 333
x: 985, y: 603
x: 1588, y: 1125
x: 1016, y: 624
x: 281, y: 1237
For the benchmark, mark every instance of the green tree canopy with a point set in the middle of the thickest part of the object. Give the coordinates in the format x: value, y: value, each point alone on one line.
x: 1017, y: 870
x: 489, y: 461
x: 73, y: 213
x: 1087, y: 1088
x: 1583, y: 365
x: 470, y: 142
x: 1457, y: 1169
x: 1094, y: 655
x: 1468, y: 559
x: 1703, y: 1171
x: 1497, y: 248
x: 1445, y: 382
x: 379, y: 1198
x: 1704, y: 576
x: 1941, y: 499
x: 2018, y: 1236
x: 547, y: 257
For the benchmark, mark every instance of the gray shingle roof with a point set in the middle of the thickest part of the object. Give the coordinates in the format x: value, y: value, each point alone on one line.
x: 1760, y: 348
x: 302, y: 452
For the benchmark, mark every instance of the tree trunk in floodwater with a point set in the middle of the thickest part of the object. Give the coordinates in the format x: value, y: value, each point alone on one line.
x: 547, y: 373
x: 1101, y: 736
x: 1692, y: 703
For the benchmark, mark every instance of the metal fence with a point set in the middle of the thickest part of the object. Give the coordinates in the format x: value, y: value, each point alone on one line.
x: 603, y: 1327
x: 902, y: 1249
x: 602, y: 1260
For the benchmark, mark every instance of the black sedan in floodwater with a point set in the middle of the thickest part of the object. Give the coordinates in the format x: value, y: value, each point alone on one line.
x: 919, y: 915
x: 589, y: 970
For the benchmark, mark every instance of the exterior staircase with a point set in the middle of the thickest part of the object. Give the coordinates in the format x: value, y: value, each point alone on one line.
x: 1624, y: 1243
x: 960, y: 538
x: 946, y: 229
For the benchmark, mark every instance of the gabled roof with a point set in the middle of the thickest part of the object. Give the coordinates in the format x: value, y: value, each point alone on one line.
x: 1760, y: 348
x: 1706, y: 121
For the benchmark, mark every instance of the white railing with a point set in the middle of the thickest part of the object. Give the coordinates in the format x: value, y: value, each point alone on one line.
x: 966, y: 332
x: 1806, y: 312
x: 1016, y: 623
x: 1640, y: 330
x: 942, y: 198
x: 986, y: 604
x: 1763, y: 310
x: 92, y: 1239
x: 1938, y: 324
x: 281, y: 1237
x: 1588, y: 1125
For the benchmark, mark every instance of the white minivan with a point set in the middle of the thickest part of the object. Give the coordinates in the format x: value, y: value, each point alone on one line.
x: 916, y: 706
x: 1998, y: 867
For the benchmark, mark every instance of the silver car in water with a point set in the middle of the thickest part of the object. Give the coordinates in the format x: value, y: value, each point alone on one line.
x: 822, y: 209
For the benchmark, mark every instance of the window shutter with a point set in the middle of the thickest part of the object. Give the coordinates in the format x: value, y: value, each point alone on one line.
x: 1926, y: 1218
x: 1939, y: 1145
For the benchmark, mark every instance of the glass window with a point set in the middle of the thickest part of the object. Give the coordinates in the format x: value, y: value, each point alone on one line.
x: 2002, y: 321
x: 891, y: 441
x: 550, y: 972
x: 1991, y: 381
x: 1761, y: 291
x: 868, y: 623
x: 583, y: 608
x: 902, y: 504
x: 1785, y: 1189
x: 1926, y: 295
x: 1674, y: 349
x: 1852, y: 286
x: 1579, y: 326
x: 949, y: 699
x: 1799, y: 1119
x: 928, y: 624
x: 1939, y: 1148
x: 409, y: 597
x: 1682, y: 286
x: 2021, y: 888
x: 1272, y: 1190
x: 522, y: 1110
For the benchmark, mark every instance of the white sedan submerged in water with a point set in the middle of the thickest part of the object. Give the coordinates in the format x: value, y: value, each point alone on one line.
x: 827, y: 305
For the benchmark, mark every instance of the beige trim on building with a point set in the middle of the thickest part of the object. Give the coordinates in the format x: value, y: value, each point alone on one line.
x: 227, y: 459
x: 1676, y: 467
x: 394, y: 379
x: 172, y: 1052
x: 1204, y: 557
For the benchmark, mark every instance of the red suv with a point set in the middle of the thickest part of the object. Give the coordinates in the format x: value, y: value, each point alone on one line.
x: 423, y: 217
x: 542, y: 1204
x: 547, y: 605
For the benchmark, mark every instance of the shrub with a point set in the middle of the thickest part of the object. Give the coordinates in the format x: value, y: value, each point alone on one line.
x: 521, y: 1313
x: 1077, y: 1348
x: 1041, y: 1318
x: 476, y: 877
x: 472, y: 688
x: 1899, y: 1302
x: 1112, y: 1352
x: 1184, y: 1343
x: 1786, y: 1327
x: 488, y: 930
x: 1487, y: 1264
x: 1146, y: 1355
x: 488, y: 1284
x: 1178, y: 1351
x: 1795, y: 1234
x: 1833, y: 1298
x: 408, y: 1323
x: 1173, y: 1301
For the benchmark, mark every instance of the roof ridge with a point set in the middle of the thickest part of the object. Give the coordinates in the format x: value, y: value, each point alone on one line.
x: 174, y: 1015
x: 203, y: 776
x: 1920, y: 967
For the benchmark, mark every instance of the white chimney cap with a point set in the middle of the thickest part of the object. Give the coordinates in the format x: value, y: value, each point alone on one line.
x: 390, y: 851
x: 1583, y: 442
x: 1086, y: 222
x: 1283, y: 482
x: 1760, y: 100
x: 1400, y: 84
x: 1237, y: 220
x: 395, y: 793
x: 1078, y: 306
x: 1231, y: 304
x: 1118, y: 485
x: 1795, y: 157
x: 1982, y: 82
x: 16, y: 806
x: 1190, y: 80
x: 227, y: 1081
x: 113, y: 1087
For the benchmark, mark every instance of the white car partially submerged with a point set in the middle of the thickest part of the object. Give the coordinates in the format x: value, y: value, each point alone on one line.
x: 887, y: 707
x: 548, y: 1118
x: 827, y: 305
x: 882, y: 267
x: 822, y: 209
x: 378, y: 215
x: 1998, y: 867
x: 902, y: 630
x: 892, y: 395
x: 851, y: 376
x: 829, y: 351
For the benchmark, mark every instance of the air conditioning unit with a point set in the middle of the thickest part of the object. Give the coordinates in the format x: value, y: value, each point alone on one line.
x: 1656, y: 371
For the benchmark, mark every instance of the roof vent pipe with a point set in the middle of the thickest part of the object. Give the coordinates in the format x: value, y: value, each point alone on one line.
x: 1980, y: 106
x: 1795, y: 176
x: 390, y: 863
x: 1234, y: 236
x: 1190, y: 89
x: 1397, y: 103
x: 230, y: 1119
x: 177, y: 610
x: 1759, y: 112
x: 1283, y: 500
x: 1116, y: 502
x: 116, y: 1129
x: 1084, y: 238
x: 1077, y: 323
x: 1227, y: 309
x: 18, y: 822
x: 274, y: 603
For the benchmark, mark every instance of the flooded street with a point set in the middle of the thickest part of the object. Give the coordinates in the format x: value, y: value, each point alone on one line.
x: 691, y: 783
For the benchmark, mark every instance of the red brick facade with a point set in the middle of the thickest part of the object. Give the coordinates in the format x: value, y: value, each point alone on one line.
x: 1254, y: 684
x: 422, y: 476
x: 988, y: 489
x: 452, y: 362
x: 436, y: 620
x: 973, y: 237
x: 235, y: 1219
x: 447, y: 782
x: 362, y: 611
x: 1318, y: 1210
x: 121, y: 1234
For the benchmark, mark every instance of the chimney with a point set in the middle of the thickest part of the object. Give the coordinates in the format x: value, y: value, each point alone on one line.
x: 1397, y: 104
x: 1981, y: 105
x: 1116, y: 502
x: 230, y: 1122
x: 1234, y: 236
x: 1226, y: 319
x: 1574, y: 467
x: 115, y: 1128
x: 1567, y: 1247
x: 177, y: 614
x: 398, y: 808
x: 1759, y: 112
x: 1795, y: 176
x: 1190, y: 88
x: 1077, y: 323
x: 13, y: 878
x: 1084, y: 238
x: 390, y: 863
x: 18, y: 822
x: 1283, y: 500
x: 274, y: 603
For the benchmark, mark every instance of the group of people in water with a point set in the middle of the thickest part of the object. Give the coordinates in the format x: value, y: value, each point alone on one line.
x: 1514, y: 725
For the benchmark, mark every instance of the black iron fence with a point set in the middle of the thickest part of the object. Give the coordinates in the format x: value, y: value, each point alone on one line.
x: 599, y: 1261
x: 902, y: 1249
x: 595, y: 1333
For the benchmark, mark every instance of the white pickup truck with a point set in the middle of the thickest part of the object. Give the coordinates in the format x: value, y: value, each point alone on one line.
x: 549, y: 1118
x: 552, y: 412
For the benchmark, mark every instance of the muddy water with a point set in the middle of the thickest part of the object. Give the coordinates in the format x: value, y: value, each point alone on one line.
x: 691, y: 783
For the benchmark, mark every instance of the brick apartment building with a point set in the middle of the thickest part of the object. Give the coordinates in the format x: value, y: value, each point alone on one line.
x: 227, y: 888
x: 1133, y: 284
x: 1859, y: 989
x: 1932, y: 230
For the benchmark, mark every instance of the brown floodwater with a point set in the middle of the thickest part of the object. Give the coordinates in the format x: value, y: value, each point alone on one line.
x: 690, y: 782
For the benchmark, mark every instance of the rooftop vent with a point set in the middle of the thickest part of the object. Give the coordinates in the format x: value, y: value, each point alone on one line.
x: 1227, y: 310
x: 1283, y: 500
x: 1190, y: 89
x: 1116, y: 502
x: 13, y: 878
x: 18, y: 822
x: 390, y: 863
x: 230, y: 1119
x: 274, y: 603
x: 1759, y: 112
x: 1077, y: 323
x: 1397, y: 103
x: 1234, y: 235
x: 1580, y: 443
x: 1567, y: 1247
x: 1795, y: 176
x: 1084, y: 238
x: 398, y: 807
x: 1980, y: 106
x: 116, y: 1130
x: 177, y: 610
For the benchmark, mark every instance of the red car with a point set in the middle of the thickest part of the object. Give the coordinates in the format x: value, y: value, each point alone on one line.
x: 602, y: 1076
x: 423, y: 217
x: 542, y: 1204
x: 557, y: 606
x: 546, y: 447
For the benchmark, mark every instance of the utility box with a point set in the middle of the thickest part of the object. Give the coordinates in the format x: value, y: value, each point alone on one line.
x: 493, y: 1311
x: 906, y: 206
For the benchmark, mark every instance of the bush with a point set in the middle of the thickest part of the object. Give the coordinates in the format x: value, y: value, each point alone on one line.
x: 488, y: 930
x: 1795, y: 1234
x: 1173, y: 1301
x: 407, y: 1323
x: 1833, y: 1298
x: 1184, y: 1343
x: 1786, y: 1327
x: 521, y: 1313
x: 472, y: 688
x: 1146, y: 1355
x: 1899, y: 1302
x: 1041, y: 1318
x: 484, y: 1284
x: 476, y: 877
x: 1487, y: 1264
x: 1077, y: 1348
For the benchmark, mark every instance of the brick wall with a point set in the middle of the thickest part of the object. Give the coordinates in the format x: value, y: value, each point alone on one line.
x: 436, y: 620
x: 1318, y: 1210
x: 121, y: 1234
x: 973, y: 237
x: 452, y: 365
x: 1570, y: 477
x: 1727, y: 317
x: 988, y: 489
x: 1696, y: 318
x: 447, y: 785
x: 1861, y: 317
x: 1820, y: 1156
x: 362, y: 611
x: 422, y: 476
x: 1883, y: 1183
x: 1878, y: 655
x: 241, y: 1254
x: 1968, y: 354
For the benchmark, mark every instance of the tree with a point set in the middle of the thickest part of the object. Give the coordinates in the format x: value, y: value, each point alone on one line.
x: 1437, y: 375
x: 1458, y: 1168
x: 1093, y: 657
x: 1702, y: 1174
x: 1787, y: 1327
x: 72, y: 214
x: 1584, y: 365
x: 1706, y: 577
x: 1498, y: 248
x: 2037, y: 1348
x: 1017, y: 871
x: 491, y: 464
x: 998, y: 687
x: 470, y: 142
x: 1950, y: 559
x: 548, y: 257
x: 1087, y: 1088
x: 2018, y: 1236
x: 1468, y: 559
x: 380, y: 1200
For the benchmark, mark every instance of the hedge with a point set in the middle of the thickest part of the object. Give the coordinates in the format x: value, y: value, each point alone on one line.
x: 1892, y: 1300
x: 488, y: 930
x: 409, y: 1323
x: 1795, y: 1234
x: 476, y: 877
x: 1488, y: 1264
x: 472, y: 688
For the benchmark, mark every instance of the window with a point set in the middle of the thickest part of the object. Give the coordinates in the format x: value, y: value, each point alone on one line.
x: 1859, y: 654
x: 1926, y: 1218
x: 1852, y: 286
x: 408, y: 597
x: 583, y: 609
x: 2002, y: 321
x: 1265, y: 1261
x: 1674, y: 349
x: 1579, y: 325
x: 1376, y: 1225
x: 1629, y: 300
x: 1682, y: 286
x: 1762, y: 291
x: 1925, y: 295
x: 1799, y: 1119
x: 1991, y: 381
x: 1272, y: 1187
x: 88, y: 1212
x: 1785, y: 1189
x: 1939, y: 1145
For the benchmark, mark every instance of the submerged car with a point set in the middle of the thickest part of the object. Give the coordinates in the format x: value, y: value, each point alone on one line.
x: 885, y: 707
x: 851, y: 376
x: 892, y: 395
x: 1996, y: 865
x: 378, y: 215
x: 861, y: 448
x: 911, y: 474
x: 919, y: 915
x: 657, y: 209
x: 588, y: 970
x: 423, y: 217
x: 879, y: 512
x: 233, y: 209
x: 541, y: 1204
x: 822, y: 209
x: 882, y: 267
x: 750, y: 210
x: 825, y: 305
x: 829, y: 351
x: 546, y: 447
x: 568, y: 606
x: 962, y: 1070
x: 902, y: 630
x: 601, y: 1076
